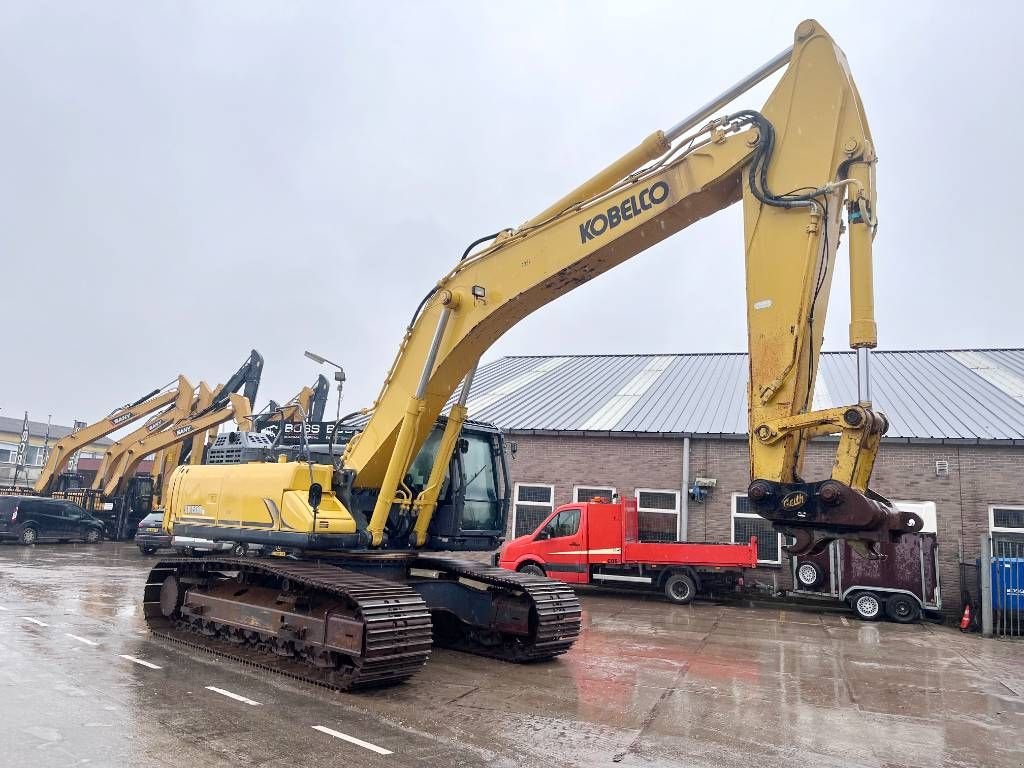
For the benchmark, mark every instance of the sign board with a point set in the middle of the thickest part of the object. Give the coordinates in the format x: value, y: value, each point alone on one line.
x: 316, y: 432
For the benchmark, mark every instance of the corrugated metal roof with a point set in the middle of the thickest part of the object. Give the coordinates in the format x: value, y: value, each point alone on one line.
x: 970, y: 395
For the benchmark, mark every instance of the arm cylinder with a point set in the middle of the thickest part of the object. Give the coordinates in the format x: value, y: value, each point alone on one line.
x: 863, y: 331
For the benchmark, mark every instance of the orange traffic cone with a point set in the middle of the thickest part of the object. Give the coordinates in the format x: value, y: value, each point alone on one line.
x: 965, y: 621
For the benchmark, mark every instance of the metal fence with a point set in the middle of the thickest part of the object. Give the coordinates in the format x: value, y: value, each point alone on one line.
x: 1001, y: 573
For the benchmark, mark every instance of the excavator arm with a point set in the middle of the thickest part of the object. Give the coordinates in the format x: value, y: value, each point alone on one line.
x: 237, y: 407
x: 798, y: 165
x: 114, y: 455
x: 64, y: 448
x: 165, y: 461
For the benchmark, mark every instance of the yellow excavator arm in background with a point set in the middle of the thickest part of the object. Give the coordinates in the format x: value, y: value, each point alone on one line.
x: 113, y: 457
x: 64, y: 448
x: 797, y: 165
x: 237, y: 408
x: 165, y: 461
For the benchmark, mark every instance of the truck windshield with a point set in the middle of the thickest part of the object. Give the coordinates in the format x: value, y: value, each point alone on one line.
x: 482, y: 510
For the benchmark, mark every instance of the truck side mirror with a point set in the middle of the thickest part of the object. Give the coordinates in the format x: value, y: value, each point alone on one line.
x: 316, y: 494
x: 463, y: 445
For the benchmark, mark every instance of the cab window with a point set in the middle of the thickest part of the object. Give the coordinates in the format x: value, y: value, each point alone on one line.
x: 565, y: 523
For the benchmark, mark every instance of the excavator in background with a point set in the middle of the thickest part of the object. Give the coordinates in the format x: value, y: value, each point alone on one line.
x: 190, y: 446
x: 53, y: 476
x: 118, y: 496
x: 364, y: 589
x: 113, y: 457
x: 165, y: 461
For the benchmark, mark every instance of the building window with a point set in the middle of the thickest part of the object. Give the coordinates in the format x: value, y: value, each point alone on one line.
x: 584, y: 493
x: 34, y: 456
x: 747, y: 523
x: 1006, y: 524
x: 658, y: 514
x: 8, y: 453
x: 534, y: 502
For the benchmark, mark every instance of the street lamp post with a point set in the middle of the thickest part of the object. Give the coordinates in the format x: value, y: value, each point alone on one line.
x: 339, y: 375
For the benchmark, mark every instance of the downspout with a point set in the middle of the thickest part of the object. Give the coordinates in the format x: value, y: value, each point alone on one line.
x: 683, y: 526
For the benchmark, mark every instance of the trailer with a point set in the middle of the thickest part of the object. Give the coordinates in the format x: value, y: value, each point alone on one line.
x: 598, y: 542
x: 900, y: 585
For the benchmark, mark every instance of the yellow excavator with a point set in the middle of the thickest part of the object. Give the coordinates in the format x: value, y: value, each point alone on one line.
x: 113, y: 458
x: 52, y: 477
x: 365, y: 589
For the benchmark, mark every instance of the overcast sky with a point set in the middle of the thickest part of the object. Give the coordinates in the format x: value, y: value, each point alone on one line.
x: 182, y: 182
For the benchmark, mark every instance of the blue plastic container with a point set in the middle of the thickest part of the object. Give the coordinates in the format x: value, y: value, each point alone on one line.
x: 1008, y: 583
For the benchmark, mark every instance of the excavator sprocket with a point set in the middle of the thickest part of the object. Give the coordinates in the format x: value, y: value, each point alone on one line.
x: 534, y: 618
x: 314, y: 622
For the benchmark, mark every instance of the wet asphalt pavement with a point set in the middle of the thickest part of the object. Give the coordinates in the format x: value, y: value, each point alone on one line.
x: 649, y: 684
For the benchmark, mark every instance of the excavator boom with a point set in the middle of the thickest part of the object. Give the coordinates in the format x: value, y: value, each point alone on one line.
x: 811, y: 137
x: 64, y: 448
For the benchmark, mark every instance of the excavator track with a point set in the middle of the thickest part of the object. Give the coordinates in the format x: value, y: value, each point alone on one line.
x: 395, y: 621
x: 555, y: 614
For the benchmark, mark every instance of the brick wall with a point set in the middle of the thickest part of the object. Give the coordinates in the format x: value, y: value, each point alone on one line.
x: 979, y: 476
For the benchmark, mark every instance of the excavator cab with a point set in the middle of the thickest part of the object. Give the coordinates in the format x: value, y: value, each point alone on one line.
x: 473, y: 504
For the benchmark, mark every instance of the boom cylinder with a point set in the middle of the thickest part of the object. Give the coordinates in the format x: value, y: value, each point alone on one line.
x: 401, y: 455
x: 651, y: 148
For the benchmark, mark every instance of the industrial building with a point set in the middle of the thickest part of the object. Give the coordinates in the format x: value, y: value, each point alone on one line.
x: 653, y: 426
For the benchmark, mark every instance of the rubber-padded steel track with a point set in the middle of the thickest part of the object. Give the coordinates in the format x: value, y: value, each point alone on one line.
x: 555, y: 621
x: 397, y: 637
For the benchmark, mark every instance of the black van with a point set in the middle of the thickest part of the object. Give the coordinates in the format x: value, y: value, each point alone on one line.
x: 29, y: 519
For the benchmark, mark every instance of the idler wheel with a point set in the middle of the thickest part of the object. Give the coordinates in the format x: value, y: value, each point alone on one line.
x: 171, y: 596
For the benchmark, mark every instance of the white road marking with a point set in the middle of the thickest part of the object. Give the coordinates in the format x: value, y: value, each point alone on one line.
x: 35, y: 621
x: 352, y: 740
x: 231, y: 695
x: 81, y: 639
x: 845, y: 622
x: 2, y: 608
x: 140, y: 661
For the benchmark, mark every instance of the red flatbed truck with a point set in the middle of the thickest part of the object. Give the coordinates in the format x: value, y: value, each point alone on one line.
x: 598, y: 543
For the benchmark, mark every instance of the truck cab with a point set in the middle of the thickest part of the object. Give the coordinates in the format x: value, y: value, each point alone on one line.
x: 597, y: 542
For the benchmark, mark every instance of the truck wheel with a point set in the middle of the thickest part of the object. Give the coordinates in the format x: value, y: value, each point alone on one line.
x: 239, y: 550
x: 810, y: 575
x: 680, y: 589
x: 867, y: 606
x: 532, y: 569
x: 903, y: 609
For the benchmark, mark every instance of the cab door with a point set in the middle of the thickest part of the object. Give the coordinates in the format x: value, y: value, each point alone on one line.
x: 561, y: 544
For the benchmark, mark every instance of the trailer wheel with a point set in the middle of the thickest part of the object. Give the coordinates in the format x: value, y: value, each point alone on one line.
x: 903, y: 609
x: 532, y: 569
x: 680, y: 589
x: 867, y: 606
x: 810, y: 575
